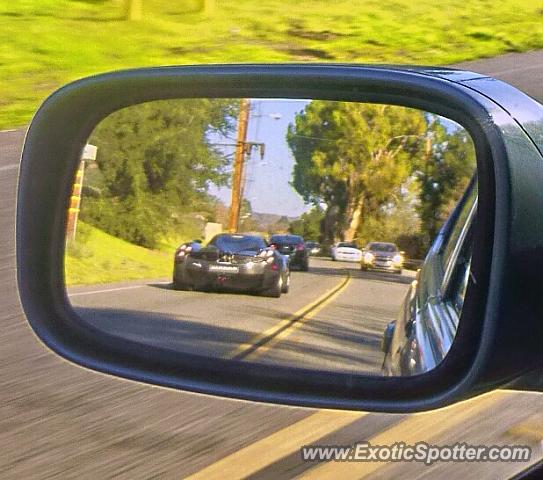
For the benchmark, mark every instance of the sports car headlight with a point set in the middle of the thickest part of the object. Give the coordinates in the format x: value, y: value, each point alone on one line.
x: 369, y: 257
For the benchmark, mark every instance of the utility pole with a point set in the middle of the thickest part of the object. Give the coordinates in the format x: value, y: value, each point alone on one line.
x: 239, y: 160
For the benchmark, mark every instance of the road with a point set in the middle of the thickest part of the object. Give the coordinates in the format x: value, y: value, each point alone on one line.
x: 332, y: 318
x: 61, y: 421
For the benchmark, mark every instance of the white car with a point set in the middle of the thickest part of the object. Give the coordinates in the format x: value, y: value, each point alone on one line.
x: 346, y: 252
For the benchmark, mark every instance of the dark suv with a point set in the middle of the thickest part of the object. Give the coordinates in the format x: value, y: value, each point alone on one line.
x: 293, y: 247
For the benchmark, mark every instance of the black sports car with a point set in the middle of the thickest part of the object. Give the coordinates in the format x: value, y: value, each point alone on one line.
x: 232, y: 261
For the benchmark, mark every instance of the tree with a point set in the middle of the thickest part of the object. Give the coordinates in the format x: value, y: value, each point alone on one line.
x: 247, y: 223
x: 281, y: 225
x: 354, y: 158
x: 155, y: 162
x: 443, y: 173
x: 397, y: 219
x: 308, y: 225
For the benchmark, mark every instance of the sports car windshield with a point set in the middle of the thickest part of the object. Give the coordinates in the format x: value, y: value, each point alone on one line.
x: 238, y: 243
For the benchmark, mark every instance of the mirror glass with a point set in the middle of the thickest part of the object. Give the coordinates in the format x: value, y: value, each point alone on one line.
x: 298, y: 232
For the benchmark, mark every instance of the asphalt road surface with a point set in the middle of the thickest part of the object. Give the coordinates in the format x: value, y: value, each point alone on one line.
x: 58, y: 420
x: 332, y: 318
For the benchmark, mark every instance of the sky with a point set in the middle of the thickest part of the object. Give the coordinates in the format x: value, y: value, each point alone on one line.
x: 267, y: 181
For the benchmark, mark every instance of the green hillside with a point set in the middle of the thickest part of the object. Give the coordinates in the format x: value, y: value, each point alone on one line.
x: 45, y: 43
x: 96, y: 257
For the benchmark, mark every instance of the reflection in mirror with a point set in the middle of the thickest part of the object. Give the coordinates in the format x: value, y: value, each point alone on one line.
x: 279, y: 231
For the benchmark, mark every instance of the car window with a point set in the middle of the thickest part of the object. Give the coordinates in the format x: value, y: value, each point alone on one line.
x: 461, y: 272
x: 459, y: 226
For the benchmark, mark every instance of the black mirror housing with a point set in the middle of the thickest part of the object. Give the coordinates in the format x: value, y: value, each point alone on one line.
x: 501, y: 333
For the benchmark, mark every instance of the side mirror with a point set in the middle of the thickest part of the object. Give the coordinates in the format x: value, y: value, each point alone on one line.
x: 387, y: 337
x: 483, y: 264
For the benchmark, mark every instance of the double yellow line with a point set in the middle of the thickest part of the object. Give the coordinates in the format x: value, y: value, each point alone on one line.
x: 312, y: 429
x: 261, y: 343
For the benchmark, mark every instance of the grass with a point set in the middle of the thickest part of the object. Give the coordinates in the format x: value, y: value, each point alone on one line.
x: 96, y: 257
x: 46, y: 43
x: 187, y: 228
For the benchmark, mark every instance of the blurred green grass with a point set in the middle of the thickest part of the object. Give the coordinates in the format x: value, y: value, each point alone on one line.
x: 187, y: 229
x: 46, y: 43
x: 96, y: 257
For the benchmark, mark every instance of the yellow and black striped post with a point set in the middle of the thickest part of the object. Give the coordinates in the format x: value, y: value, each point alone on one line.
x: 88, y: 154
x: 75, y: 203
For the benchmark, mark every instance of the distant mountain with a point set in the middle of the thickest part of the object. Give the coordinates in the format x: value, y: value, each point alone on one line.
x: 269, y: 223
x: 257, y: 222
x: 271, y: 218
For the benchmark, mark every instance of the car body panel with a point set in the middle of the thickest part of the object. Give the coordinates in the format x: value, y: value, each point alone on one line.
x: 346, y: 252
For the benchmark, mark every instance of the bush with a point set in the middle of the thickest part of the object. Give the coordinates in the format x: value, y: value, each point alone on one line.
x: 414, y: 245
